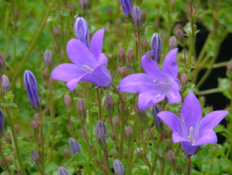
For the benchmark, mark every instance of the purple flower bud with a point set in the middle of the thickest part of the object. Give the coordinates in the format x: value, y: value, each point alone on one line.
x: 62, y: 171
x: 5, y: 83
x: 118, y: 167
x: 31, y: 88
x: 67, y: 101
x: 81, y: 107
x: 35, y: 125
x: 56, y: 32
x: 84, y: 4
x: 1, y: 123
x: 48, y: 57
x: 102, y: 125
x: 128, y: 133
x: 184, y: 78
x: 116, y: 122
x: 121, y: 57
x: 172, y: 43
x: 109, y: 104
x: 137, y: 16
x: 130, y: 57
x: 158, y: 122
x: 156, y: 45
x: 180, y: 34
x: 81, y: 30
x: 123, y: 71
x: 126, y: 6
x: 100, y: 132
x: 74, y: 146
x: 35, y: 157
x: 2, y: 62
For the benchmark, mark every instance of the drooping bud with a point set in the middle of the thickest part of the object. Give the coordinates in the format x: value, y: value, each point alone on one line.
x: 56, y: 32
x: 2, y: 119
x: 229, y: 70
x: 48, y: 57
x: 180, y: 35
x: 62, y: 171
x: 31, y: 88
x: 126, y: 7
x: 109, y: 104
x: 5, y: 83
x: 81, y: 107
x: 156, y: 45
x: 74, y: 146
x: 137, y: 17
x: 171, y: 159
x: 81, y: 30
x: 130, y: 57
x: 36, y: 158
x: 129, y: 133
x: 116, y: 122
x: 123, y: 71
x: 67, y: 101
x: 184, y: 78
x: 84, y: 4
x: 158, y: 122
x: 172, y: 43
x: 100, y: 132
x: 142, y: 115
x: 118, y: 167
x: 2, y: 62
x: 121, y: 57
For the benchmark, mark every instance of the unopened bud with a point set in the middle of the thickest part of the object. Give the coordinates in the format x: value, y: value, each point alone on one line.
x: 109, y: 104
x: 126, y: 7
x: 184, y: 78
x: 2, y: 119
x: 137, y: 17
x: 100, y: 132
x: 180, y: 35
x: 67, y: 153
x: 35, y: 157
x: 45, y: 74
x: 145, y: 44
x: 5, y: 83
x: 158, y: 122
x: 67, y: 101
x: 130, y: 57
x: 156, y: 45
x: 35, y: 125
x: 81, y: 107
x: 116, y: 122
x: 121, y: 57
x: 129, y: 133
x: 8, y: 139
x: 2, y: 62
x: 56, y: 32
x: 172, y: 43
x: 74, y: 146
x: 118, y: 21
x: 118, y: 167
x: 81, y: 30
x: 84, y: 4
x: 171, y: 159
x: 123, y: 71
x: 56, y: 48
x: 48, y: 57
x: 62, y: 171
x: 36, y: 117
x: 143, y: 16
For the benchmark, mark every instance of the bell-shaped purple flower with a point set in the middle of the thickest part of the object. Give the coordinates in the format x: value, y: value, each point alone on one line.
x: 81, y: 30
x: 89, y: 64
x: 31, y: 87
x: 156, y: 84
x: 156, y: 45
x: 126, y: 7
x: 74, y: 146
x: 2, y: 119
x: 191, y: 129
x: 62, y: 171
x: 118, y: 167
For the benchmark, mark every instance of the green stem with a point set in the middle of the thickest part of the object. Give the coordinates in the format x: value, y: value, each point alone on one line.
x: 209, y: 91
x: 32, y: 44
x: 99, y: 104
x: 86, y: 138
x: 4, y: 160
x: 42, y: 140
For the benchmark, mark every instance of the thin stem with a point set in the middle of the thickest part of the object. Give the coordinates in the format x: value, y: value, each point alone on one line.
x: 122, y: 122
x: 149, y: 128
x: 4, y: 160
x: 209, y: 91
x: 189, y: 165
x: 32, y: 44
x: 106, y: 159
x: 99, y: 104
x: 86, y: 138
x: 42, y: 141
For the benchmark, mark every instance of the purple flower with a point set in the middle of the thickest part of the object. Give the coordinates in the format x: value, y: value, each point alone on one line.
x: 74, y: 146
x: 191, y: 130
x: 81, y: 30
x: 126, y: 6
x: 31, y: 88
x: 1, y: 122
x: 62, y: 171
x: 88, y: 64
x: 118, y: 167
x: 154, y: 86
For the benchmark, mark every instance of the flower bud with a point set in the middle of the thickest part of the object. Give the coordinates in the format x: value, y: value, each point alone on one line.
x: 31, y: 88
x: 172, y: 43
x: 109, y: 104
x: 121, y: 57
x: 126, y: 7
x: 116, y: 122
x: 118, y: 167
x: 130, y: 57
x: 84, y: 4
x: 145, y: 44
x: 8, y: 139
x: 81, y: 107
x: 156, y: 45
x: 158, y: 122
x: 184, y: 78
x: 48, y: 57
x: 62, y: 171
x: 118, y: 21
x: 74, y: 146
x: 67, y: 101
x: 123, y: 71
x: 137, y: 17
x: 1, y: 123
x: 2, y: 62
x: 129, y: 133
x: 36, y: 117
x: 81, y: 30
x: 143, y: 16
x: 35, y: 125
x: 5, y: 83
x: 142, y: 115
x: 36, y: 158
x: 56, y: 48
x: 180, y: 35
x: 67, y: 153
x: 56, y: 32
x: 171, y: 159
x: 100, y: 132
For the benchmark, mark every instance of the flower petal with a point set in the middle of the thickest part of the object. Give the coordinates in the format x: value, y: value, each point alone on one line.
x: 189, y: 149
x: 149, y: 65
x: 73, y: 83
x: 177, y: 138
x: 170, y: 65
x: 191, y: 112
x: 206, y: 137
x: 78, y: 53
x: 174, y: 94
x: 96, y: 43
x: 148, y: 99
x: 67, y: 72
x: 171, y: 120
